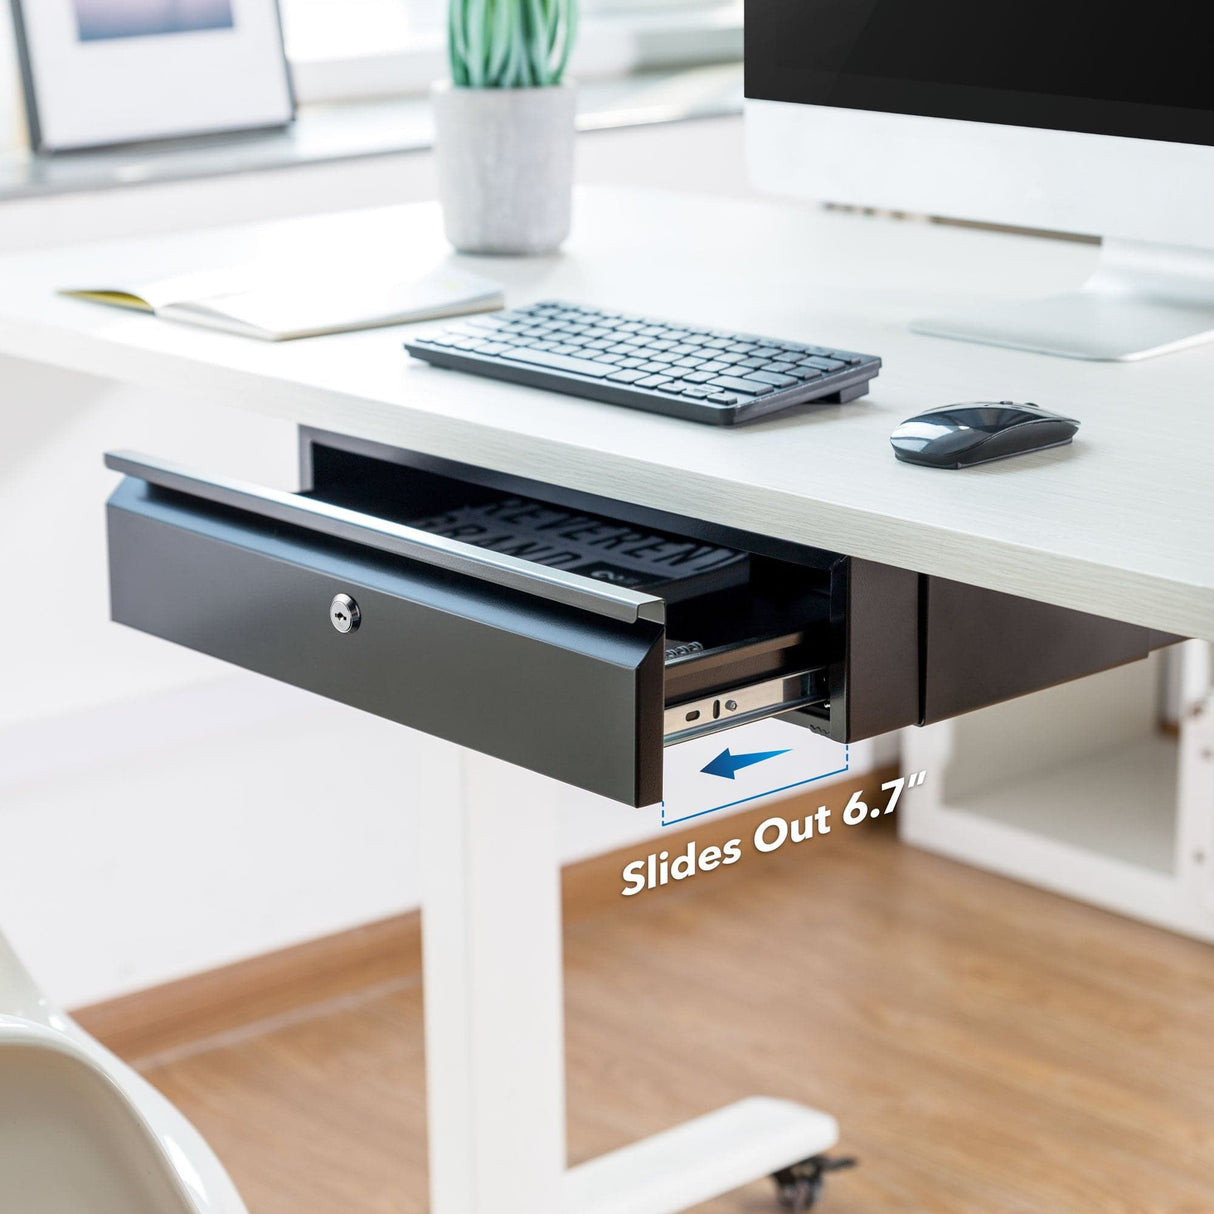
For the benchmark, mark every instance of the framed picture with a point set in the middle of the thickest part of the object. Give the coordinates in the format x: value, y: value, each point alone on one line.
x: 101, y: 72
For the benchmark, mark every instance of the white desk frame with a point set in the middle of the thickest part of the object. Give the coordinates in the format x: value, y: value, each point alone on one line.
x: 495, y: 1063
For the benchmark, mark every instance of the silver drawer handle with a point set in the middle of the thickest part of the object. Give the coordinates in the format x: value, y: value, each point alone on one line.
x: 553, y: 585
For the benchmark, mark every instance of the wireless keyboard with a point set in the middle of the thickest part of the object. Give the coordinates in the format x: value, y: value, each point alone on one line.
x: 704, y: 375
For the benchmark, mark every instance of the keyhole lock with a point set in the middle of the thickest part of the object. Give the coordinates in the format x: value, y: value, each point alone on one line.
x: 344, y: 614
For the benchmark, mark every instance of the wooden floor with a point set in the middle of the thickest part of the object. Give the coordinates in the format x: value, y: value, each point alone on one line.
x: 987, y: 1048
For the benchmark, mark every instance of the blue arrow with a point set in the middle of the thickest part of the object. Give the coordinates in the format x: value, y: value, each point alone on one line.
x: 727, y: 765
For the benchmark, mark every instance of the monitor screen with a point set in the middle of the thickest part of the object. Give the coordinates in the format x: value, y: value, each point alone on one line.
x: 1070, y: 65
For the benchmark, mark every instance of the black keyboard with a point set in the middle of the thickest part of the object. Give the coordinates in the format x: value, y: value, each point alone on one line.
x: 704, y: 375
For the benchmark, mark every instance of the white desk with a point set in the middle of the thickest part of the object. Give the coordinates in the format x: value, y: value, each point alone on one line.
x: 1121, y: 524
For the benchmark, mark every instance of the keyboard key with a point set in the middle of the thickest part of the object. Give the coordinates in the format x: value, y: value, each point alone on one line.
x: 626, y: 377
x: 558, y: 362
x: 826, y: 364
x: 697, y: 377
x: 713, y: 366
x: 776, y: 381
x: 805, y: 374
x: 654, y: 368
x: 696, y: 392
x: 655, y: 381
x: 723, y: 398
x: 735, y: 384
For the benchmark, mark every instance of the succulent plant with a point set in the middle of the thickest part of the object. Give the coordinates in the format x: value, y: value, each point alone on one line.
x: 510, y: 44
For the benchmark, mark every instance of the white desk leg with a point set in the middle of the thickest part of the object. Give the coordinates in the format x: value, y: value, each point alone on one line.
x: 494, y: 1013
x: 495, y: 1046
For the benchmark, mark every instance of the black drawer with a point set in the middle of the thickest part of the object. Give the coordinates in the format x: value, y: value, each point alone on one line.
x: 561, y: 673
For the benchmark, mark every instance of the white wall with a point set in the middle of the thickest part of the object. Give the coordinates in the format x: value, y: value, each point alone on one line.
x: 161, y: 813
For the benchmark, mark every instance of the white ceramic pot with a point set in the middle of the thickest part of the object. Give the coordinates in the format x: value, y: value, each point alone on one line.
x: 505, y: 166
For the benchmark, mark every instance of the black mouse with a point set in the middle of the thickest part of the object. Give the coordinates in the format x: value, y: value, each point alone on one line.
x: 959, y: 436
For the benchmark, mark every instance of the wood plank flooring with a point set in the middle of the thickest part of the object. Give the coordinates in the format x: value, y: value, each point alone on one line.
x: 987, y: 1048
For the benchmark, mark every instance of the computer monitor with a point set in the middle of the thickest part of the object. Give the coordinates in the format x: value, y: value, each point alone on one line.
x: 1052, y: 114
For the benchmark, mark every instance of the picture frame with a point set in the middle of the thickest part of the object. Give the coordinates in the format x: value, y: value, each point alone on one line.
x: 101, y: 73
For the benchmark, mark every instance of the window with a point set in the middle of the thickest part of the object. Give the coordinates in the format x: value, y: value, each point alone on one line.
x: 351, y: 48
x: 345, y: 49
x: 318, y: 29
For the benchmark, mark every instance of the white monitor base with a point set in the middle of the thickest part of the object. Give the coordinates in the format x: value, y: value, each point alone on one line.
x: 1143, y: 300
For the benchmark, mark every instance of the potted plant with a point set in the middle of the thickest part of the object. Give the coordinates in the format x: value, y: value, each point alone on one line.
x: 504, y: 125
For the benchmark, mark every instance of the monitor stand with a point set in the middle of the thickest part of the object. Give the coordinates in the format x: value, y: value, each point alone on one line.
x: 1143, y: 300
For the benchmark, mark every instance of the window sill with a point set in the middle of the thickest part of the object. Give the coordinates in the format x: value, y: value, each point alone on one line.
x: 352, y: 130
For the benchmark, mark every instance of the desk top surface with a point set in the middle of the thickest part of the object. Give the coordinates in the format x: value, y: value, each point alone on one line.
x: 1120, y: 524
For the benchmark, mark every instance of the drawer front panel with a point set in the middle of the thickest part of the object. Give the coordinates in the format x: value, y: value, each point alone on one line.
x: 565, y: 692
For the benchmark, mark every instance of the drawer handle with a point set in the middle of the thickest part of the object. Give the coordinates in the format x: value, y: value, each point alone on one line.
x: 554, y: 585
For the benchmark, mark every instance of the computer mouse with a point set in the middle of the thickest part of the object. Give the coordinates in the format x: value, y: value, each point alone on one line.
x: 960, y: 436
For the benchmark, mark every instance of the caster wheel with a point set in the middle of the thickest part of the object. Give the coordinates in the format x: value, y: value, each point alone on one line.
x: 799, y: 1186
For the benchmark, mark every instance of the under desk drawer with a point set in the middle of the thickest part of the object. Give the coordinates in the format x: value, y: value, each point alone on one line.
x: 578, y: 675
x: 553, y: 671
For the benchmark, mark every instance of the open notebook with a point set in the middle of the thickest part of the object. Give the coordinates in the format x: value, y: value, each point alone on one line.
x: 281, y: 310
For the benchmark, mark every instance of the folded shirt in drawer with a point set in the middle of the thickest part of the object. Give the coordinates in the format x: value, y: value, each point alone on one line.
x: 600, y: 548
